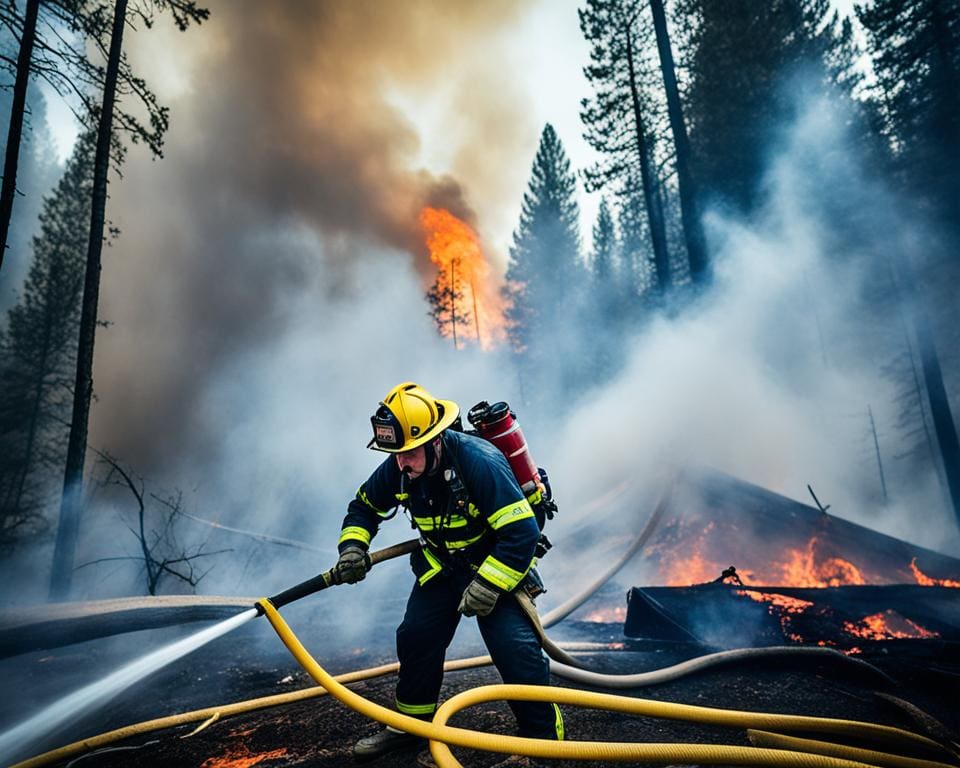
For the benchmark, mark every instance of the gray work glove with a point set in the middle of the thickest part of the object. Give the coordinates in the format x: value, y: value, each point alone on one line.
x: 478, y: 599
x: 352, y: 565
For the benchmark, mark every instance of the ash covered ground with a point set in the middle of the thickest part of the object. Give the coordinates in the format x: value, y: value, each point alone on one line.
x: 252, y: 662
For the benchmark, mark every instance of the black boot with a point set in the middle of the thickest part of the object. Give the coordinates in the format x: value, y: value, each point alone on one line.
x: 383, y: 742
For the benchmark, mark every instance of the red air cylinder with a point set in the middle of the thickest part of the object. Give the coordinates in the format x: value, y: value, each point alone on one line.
x: 498, y: 424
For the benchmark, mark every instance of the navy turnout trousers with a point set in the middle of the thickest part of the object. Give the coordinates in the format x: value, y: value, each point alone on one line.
x: 426, y: 631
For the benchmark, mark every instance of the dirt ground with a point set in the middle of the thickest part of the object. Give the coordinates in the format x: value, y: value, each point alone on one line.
x: 320, y: 732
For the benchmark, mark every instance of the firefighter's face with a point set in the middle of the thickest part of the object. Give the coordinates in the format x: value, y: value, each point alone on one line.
x: 414, y: 462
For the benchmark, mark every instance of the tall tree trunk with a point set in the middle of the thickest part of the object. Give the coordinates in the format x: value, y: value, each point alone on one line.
x: 35, y: 408
x: 15, y: 130
x: 949, y: 116
x: 658, y: 234
x: 940, y: 413
x: 71, y: 503
x: 689, y: 208
x: 943, y: 423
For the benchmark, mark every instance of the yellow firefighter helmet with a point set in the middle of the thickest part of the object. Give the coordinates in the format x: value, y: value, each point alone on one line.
x: 408, y: 417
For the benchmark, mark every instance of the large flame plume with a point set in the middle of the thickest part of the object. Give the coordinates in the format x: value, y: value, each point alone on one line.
x: 465, y: 295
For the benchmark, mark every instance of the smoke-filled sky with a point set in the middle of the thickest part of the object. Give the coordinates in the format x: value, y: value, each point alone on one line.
x: 267, y: 287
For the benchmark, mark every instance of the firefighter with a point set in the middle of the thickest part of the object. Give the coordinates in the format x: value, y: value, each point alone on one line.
x: 477, y: 534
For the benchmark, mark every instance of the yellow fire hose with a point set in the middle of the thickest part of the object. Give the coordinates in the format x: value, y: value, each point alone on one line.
x: 209, y: 715
x: 779, y: 741
x: 442, y: 735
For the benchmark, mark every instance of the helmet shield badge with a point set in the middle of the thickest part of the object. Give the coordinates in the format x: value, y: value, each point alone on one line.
x: 387, y: 430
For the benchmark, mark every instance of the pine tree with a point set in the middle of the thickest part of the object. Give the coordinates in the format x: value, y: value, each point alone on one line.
x: 623, y: 119
x: 604, y: 254
x: 114, y: 88
x: 915, y: 47
x: 545, y: 273
x: 608, y: 299
x: 740, y: 56
x: 636, y: 254
x: 445, y: 300
x: 38, y: 354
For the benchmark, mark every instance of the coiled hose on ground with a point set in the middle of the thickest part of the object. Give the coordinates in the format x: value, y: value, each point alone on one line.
x: 442, y: 735
x: 209, y: 715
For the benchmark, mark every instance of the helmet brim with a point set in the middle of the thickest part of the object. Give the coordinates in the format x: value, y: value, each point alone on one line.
x: 450, y: 412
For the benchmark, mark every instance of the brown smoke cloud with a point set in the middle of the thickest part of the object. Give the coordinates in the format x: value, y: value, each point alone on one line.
x: 285, y: 160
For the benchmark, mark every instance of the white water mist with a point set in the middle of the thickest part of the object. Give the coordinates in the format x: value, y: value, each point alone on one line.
x: 16, y: 742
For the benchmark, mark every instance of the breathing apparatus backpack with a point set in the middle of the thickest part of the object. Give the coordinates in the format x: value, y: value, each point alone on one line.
x: 498, y: 424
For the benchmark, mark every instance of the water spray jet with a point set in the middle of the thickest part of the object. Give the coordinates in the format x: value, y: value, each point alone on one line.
x: 18, y: 740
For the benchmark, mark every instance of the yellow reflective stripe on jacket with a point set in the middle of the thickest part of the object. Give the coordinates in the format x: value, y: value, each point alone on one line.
x: 430, y: 523
x: 514, y: 511
x: 500, y: 574
x: 435, y: 566
x: 415, y: 709
x: 361, y: 494
x: 465, y: 542
x: 354, y: 533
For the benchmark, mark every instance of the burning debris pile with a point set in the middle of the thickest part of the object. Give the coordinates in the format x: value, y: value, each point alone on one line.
x: 799, y: 576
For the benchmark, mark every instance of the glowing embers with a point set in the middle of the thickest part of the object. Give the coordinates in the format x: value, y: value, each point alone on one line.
x: 886, y: 625
x: 466, y: 298
x: 239, y: 756
x: 844, y: 617
x: 607, y: 615
x: 782, y: 607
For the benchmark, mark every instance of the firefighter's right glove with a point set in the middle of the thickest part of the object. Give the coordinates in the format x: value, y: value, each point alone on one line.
x: 352, y: 565
x: 478, y: 599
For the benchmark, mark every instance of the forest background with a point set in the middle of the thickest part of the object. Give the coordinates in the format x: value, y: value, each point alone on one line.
x: 754, y: 268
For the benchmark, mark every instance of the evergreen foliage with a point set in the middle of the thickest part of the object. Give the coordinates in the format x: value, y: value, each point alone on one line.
x: 446, y: 299
x: 636, y: 253
x: 625, y: 117
x: 545, y: 272
x: 38, y: 355
x: 609, y: 300
x: 740, y: 55
x: 603, y: 257
x: 915, y: 48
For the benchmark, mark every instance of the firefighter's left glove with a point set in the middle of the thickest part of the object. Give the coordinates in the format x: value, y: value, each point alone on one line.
x: 478, y: 599
x: 352, y: 565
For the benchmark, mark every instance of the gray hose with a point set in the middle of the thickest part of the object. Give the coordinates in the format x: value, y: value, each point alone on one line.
x: 691, y: 666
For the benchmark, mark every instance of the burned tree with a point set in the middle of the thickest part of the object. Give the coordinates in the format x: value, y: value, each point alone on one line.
x: 162, y: 556
x: 445, y: 300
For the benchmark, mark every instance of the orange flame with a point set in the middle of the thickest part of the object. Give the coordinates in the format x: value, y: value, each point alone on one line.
x: 886, y: 625
x: 804, y: 569
x: 471, y: 307
x: 611, y: 615
x: 241, y: 757
x: 927, y: 581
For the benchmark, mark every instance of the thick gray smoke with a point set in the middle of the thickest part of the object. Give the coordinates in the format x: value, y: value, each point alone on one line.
x: 268, y: 289
x: 770, y: 377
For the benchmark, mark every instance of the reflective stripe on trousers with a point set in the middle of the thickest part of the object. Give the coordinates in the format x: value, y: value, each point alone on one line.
x: 428, y: 627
